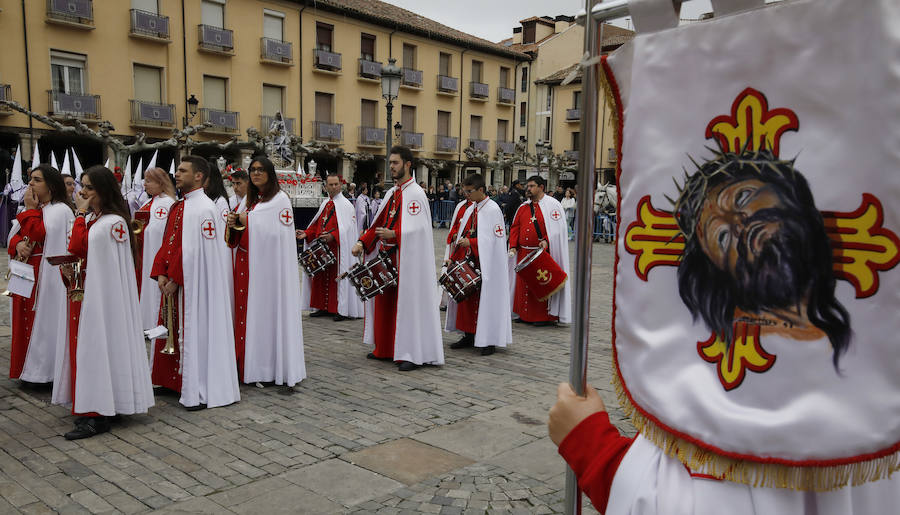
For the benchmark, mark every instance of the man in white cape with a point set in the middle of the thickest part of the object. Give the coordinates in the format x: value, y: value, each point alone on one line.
x: 335, y: 222
x: 365, y: 209
x: 404, y: 321
x: 543, y: 226
x: 193, y: 267
x: 484, y: 317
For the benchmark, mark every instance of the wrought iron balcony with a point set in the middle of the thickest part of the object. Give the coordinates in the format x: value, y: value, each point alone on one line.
x: 327, y: 131
x: 215, y: 39
x: 265, y: 124
x: 64, y: 105
x: 506, y: 95
x: 276, y: 51
x: 506, y: 147
x: 5, y: 94
x: 152, y: 114
x: 446, y: 144
x: 411, y: 77
x: 149, y: 25
x: 325, y: 60
x: 372, y: 136
x: 573, y: 115
x: 71, y: 12
x: 571, y: 155
x: 447, y: 84
x: 479, y: 90
x: 220, y: 120
x: 411, y: 139
x: 369, y: 69
x: 482, y: 145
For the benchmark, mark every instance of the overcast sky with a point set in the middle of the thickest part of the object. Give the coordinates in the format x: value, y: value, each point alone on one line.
x: 494, y: 19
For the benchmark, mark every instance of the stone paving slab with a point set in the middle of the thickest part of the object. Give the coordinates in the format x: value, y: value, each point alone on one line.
x: 474, y: 439
x: 342, y: 482
x: 407, y: 461
x: 537, y: 459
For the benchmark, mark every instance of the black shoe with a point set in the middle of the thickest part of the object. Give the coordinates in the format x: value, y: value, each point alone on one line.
x: 372, y: 355
x: 406, y: 366
x: 520, y: 321
x: 319, y: 313
x: 196, y: 408
x: 466, y: 341
x: 339, y: 318
x: 487, y: 351
x: 544, y: 323
x: 93, y: 426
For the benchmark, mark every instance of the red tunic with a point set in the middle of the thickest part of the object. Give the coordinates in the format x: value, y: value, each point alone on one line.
x: 594, y: 450
x: 385, y: 305
x: 467, y: 310
x: 166, y: 370
x: 323, y: 287
x: 78, y: 246
x: 143, y: 215
x: 524, y: 238
x: 454, y: 228
x: 240, y: 241
x: 32, y: 226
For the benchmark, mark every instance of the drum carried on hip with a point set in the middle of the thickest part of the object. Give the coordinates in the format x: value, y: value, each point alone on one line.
x: 461, y: 280
x: 317, y: 257
x: 372, y: 278
x: 542, y: 275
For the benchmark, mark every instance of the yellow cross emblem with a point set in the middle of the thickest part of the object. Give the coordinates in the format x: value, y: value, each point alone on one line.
x: 543, y: 275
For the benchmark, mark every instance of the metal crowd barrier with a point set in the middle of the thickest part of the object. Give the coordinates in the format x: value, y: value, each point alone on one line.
x: 441, y: 211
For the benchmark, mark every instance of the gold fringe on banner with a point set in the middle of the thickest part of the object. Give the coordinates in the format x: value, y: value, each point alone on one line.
x: 703, y: 461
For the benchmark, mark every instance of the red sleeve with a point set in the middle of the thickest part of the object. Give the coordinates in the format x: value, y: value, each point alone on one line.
x: 514, y: 231
x: 15, y: 240
x: 369, y: 238
x: 32, y: 222
x: 168, y: 259
x: 594, y: 450
x: 78, y: 242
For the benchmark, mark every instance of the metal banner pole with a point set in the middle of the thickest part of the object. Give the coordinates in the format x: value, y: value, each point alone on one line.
x: 584, y: 211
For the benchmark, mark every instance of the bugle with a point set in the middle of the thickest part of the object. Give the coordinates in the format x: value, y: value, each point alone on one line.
x: 169, y: 349
x: 238, y: 226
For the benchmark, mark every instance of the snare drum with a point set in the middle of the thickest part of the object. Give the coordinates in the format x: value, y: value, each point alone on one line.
x: 317, y: 257
x: 373, y: 278
x: 542, y: 275
x: 461, y: 280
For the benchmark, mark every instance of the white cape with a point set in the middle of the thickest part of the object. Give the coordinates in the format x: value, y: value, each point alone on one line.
x: 274, y: 336
x: 418, y: 335
x: 209, y: 367
x: 363, y: 204
x: 349, y: 304
x: 494, y: 325
x: 153, y: 234
x: 558, y: 238
x: 49, y: 329
x: 113, y: 376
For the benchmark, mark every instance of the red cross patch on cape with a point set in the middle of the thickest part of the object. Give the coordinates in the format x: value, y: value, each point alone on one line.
x: 160, y: 213
x: 498, y: 231
x: 555, y: 214
x: 208, y: 229
x: 414, y: 207
x: 286, y: 217
x: 119, y: 232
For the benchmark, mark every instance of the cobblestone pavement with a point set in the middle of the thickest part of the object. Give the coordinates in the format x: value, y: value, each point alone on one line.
x: 355, y: 436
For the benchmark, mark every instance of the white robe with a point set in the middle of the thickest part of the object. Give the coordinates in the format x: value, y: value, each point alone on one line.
x: 274, y: 332
x: 209, y: 367
x: 362, y: 205
x: 349, y: 304
x: 153, y: 234
x: 136, y: 199
x: 494, y: 325
x: 417, y: 338
x: 223, y: 207
x: 113, y: 376
x: 560, y: 304
x: 49, y: 327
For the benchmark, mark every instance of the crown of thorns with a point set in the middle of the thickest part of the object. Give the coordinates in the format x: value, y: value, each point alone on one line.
x: 723, y: 167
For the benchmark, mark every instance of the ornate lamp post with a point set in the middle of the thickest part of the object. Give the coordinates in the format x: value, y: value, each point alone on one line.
x: 390, y: 87
x: 397, y: 128
x: 192, y: 104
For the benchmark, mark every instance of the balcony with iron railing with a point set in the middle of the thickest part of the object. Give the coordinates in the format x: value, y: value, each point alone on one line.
x: 220, y: 120
x: 481, y: 145
x: 369, y: 69
x: 276, y: 51
x: 67, y: 106
x: 325, y: 60
x: 372, y: 136
x: 411, y: 78
x: 413, y: 140
x: 265, y: 124
x: 152, y: 26
x: 506, y: 147
x: 75, y: 13
x: 215, y: 40
x: 571, y: 155
x: 447, y: 84
x: 573, y: 115
x: 506, y: 96
x: 446, y: 144
x: 328, y: 132
x: 5, y: 94
x: 152, y: 114
x: 479, y: 91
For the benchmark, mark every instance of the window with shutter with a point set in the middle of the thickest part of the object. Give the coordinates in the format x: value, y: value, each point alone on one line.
x: 444, y: 64
x: 502, y: 130
x: 409, y: 56
x: 212, y: 14
x: 150, y: 6
x: 215, y: 93
x: 477, y: 67
x: 324, y: 36
x: 369, y: 108
x: 273, y: 27
x: 408, y: 118
x: 475, y: 127
x: 273, y: 100
x: 504, y: 77
x: 148, y: 83
x: 367, y: 47
x: 324, y: 107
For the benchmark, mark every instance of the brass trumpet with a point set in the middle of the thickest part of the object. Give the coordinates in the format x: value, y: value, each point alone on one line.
x: 137, y: 226
x: 169, y: 303
x: 72, y: 270
x: 238, y: 226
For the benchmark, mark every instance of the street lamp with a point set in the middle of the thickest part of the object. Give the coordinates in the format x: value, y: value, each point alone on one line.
x: 192, y: 104
x: 390, y: 87
x: 397, y: 128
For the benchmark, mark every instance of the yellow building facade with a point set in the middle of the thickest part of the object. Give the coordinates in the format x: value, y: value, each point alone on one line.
x: 137, y: 63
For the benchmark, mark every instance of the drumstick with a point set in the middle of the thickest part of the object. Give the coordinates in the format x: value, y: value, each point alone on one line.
x: 345, y: 274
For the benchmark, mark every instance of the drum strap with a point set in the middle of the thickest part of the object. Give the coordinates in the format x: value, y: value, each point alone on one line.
x: 395, y: 201
x: 537, y: 227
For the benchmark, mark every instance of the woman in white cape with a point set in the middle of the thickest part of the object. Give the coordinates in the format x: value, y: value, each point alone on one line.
x: 155, y: 214
x: 111, y: 373
x: 268, y: 333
